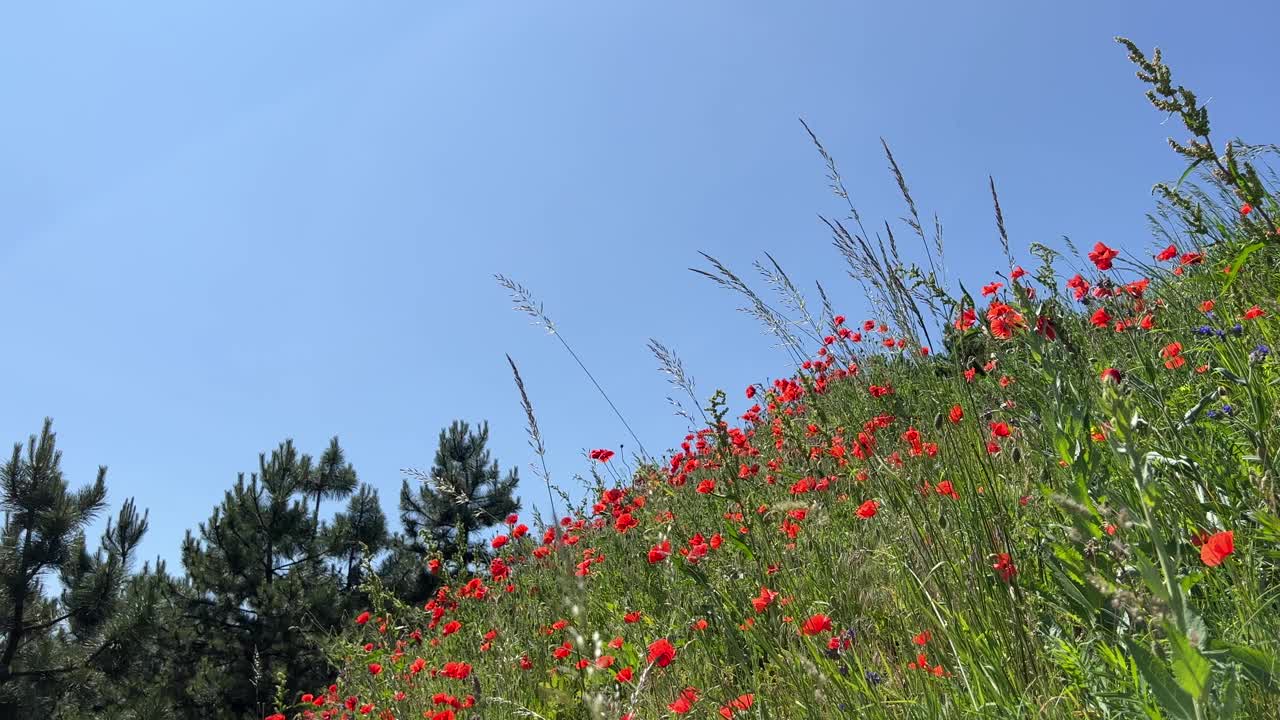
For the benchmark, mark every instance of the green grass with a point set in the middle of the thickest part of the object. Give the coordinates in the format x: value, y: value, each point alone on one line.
x: 1053, y: 575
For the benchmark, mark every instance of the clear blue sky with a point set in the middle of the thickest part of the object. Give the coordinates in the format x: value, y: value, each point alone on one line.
x: 224, y: 224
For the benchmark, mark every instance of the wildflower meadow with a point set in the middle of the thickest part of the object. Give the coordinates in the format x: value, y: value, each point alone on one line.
x: 1052, y: 496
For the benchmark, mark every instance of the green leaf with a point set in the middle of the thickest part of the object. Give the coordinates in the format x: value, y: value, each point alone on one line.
x: 1191, y: 415
x: 732, y: 536
x: 1258, y: 665
x: 1171, y: 698
x: 1154, y: 582
x: 1230, y: 376
x: 1186, y: 173
x: 1238, y: 262
x: 1084, y: 607
x: 1189, y: 666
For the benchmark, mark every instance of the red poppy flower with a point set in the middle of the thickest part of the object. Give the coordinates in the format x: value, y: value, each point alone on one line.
x: 625, y: 522
x: 742, y: 702
x: 1254, y: 312
x: 456, y: 670
x: 1100, y: 318
x: 659, y: 552
x: 662, y: 652
x: 923, y: 638
x: 684, y: 703
x: 624, y: 675
x: 763, y: 600
x: 1101, y: 255
x: 1167, y: 254
x: 1079, y: 286
x: 1004, y: 565
x: 816, y: 624
x: 868, y: 509
x: 1111, y: 375
x: 1217, y: 548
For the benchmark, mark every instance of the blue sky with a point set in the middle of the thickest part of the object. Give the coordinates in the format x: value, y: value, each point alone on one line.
x: 224, y: 224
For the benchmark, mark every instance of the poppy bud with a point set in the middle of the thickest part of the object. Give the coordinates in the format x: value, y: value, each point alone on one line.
x: 937, y: 421
x: 1017, y: 455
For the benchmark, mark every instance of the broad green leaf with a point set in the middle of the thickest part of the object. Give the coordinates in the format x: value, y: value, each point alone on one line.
x: 1155, y: 583
x: 1191, y: 415
x: 1258, y: 665
x: 1083, y: 606
x: 1232, y: 377
x: 1189, y: 667
x: 1171, y: 698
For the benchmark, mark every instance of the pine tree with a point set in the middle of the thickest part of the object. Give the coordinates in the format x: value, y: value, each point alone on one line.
x: 333, y: 478
x: 256, y: 582
x: 464, y: 493
x: 54, y: 647
x: 357, y: 535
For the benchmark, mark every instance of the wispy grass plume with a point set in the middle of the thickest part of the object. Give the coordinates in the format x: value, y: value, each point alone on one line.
x: 525, y: 303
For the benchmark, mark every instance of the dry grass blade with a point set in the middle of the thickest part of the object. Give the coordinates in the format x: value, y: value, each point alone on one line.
x: 525, y: 303
x: 535, y: 438
x: 670, y: 364
x: 1004, y: 236
x: 775, y: 322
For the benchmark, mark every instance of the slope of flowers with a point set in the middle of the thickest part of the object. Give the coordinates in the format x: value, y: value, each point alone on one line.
x: 1077, y: 521
x: 1070, y: 512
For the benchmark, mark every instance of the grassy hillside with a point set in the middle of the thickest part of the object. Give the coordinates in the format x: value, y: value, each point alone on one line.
x: 1054, y: 496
